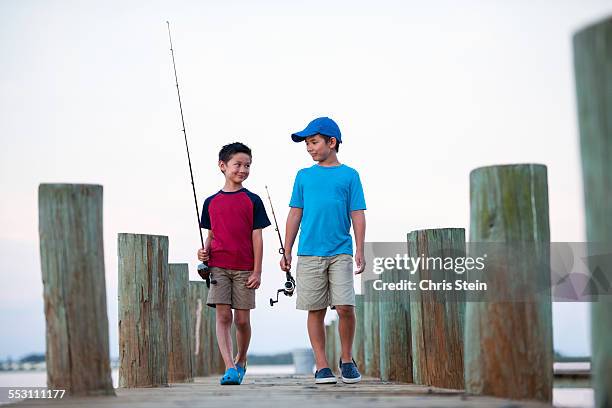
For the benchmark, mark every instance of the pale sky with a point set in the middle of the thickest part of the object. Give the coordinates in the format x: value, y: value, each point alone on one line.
x: 424, y: 92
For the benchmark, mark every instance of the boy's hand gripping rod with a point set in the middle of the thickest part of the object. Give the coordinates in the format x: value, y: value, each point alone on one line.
x: 203, y: 269
x: 290, y: 283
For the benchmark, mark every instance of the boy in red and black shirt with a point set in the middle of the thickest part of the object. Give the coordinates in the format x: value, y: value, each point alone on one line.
x: 234, y: 218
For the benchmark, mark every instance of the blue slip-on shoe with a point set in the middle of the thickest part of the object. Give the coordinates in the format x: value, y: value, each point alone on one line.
x: 350, y: 373
x: 241, y: 370
x: 325, y: 376
x: 231, y: 377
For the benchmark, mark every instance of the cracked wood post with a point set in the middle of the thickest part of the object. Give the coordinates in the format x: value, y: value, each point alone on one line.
x: 331, y: 351
x: 395, y: 341
x: 179, y: 352
x: 206, y: 357
x: 143, y: 310
x: 371, y: 321
x: 437, y: 316
x: 338, y: 345
x: 593, y: 74
x: 201, y: 333
x: 508, y: 338
x: 358, y: 343
x: 72, y: 266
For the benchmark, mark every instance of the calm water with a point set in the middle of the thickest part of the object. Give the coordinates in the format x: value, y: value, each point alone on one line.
x: 562, y: 397
x: 39, y: 378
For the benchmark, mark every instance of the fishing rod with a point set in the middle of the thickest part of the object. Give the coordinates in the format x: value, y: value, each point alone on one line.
x: 289, y: 287
x: 203, y: 269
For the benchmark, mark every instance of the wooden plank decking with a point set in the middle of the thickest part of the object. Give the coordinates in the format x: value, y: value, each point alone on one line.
x: 284, y: 391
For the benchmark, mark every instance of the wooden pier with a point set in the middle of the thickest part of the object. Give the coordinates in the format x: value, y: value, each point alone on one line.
x: 284, y: 391
x: 499, y: 352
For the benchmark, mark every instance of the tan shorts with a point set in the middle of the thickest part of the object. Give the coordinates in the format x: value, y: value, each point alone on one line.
x: 324, y: 281
x: 231, y: 289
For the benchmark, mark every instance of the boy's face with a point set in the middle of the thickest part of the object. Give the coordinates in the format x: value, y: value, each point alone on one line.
x: 318, y: 148
x: 237, y: 168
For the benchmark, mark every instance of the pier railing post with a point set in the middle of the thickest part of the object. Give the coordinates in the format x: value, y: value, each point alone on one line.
x: 371, y: 343
x: 508, y: 340
x: 143, y: 310
x: 593, y: 73
x: 395, y: 339
x: 331, y: 345
x: 206, y: 357
x: 179, y: 329
x: 72, y: 266
x: 358, y: 343
x: 437, y: 315
x: 202, y: 332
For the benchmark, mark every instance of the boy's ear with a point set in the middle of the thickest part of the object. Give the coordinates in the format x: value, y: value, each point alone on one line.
x: 333, y: 142
x: 222, y: 166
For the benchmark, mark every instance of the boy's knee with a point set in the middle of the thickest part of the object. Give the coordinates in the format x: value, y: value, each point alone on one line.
x: 345, y: 311
x: 317, y: 314
x: 242, y: 321
x: 224, y: 317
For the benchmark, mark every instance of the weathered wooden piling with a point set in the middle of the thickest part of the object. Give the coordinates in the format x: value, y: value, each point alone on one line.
x: 179, y: 327
x: 202, y: 331
x: 338, y: 344
x: 593, y: 73
x: 395, y: 341
x: 371, y: 343
x: 508, y: 339
x: 143, y: 310
x: 72, y: 266
x: 358, y: 342
x: 331, y: 345
x: 199, y: 326
x: 206, y: 357
x: 437, y: 315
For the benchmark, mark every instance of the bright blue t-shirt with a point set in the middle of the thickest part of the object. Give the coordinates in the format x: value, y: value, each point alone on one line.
x: 327, y: 196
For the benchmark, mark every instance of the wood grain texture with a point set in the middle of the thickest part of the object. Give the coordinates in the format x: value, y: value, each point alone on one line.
x: 143, y: 310
x: 201, y: 332
x: 206, y: 358
x: 437, y: 316
x: 371, y: 320
x: 338, y: 346
x: 179, y: 327
x: 74, y: 288
x: 266, y: 391
x: 332, y: 341
x: 593, y: 74
x: 395, y: 338
x: 358, y: 342
x: 508, y: 344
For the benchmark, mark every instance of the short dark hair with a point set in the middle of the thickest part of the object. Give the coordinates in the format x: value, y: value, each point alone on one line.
x: 337, y: 148
x: 229, y: 150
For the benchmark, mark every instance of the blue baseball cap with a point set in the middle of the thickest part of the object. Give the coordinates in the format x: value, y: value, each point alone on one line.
x: 322, y: 126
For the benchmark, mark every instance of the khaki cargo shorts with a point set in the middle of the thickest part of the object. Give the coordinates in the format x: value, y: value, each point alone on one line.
x: 324, y: 281
x: 231, y: 289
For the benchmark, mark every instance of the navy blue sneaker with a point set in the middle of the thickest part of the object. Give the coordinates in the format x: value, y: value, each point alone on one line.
x: 325, y: 376
x: 350, y: 373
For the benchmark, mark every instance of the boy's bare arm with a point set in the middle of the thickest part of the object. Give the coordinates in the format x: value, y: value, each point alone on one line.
x: 209, y: 239
x: 359, y: 227
x: 255, y: 278
x: 203, y: 253
x: 291, y: 229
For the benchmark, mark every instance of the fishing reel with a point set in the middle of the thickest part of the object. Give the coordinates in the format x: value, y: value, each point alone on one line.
x: 289, y: 287
x: 206, y: 274
x: 287, y: 290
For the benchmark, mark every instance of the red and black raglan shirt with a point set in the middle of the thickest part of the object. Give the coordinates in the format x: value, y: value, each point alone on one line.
x: 232, y: 217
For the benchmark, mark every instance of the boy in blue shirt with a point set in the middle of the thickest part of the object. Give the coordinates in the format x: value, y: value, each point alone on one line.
x: 326, y: 198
